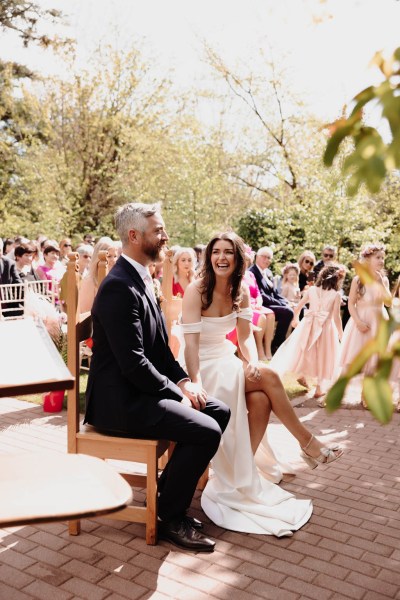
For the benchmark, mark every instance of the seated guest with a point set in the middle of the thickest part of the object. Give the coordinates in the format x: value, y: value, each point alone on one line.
x: 85, y: 252
x: 328, y: 256
x: 65, y: 249
x: 8, y: 246
x: 199, y: 250
x: 89, y: 284
x: 24, y: 254
x: 183, y: 264
x: 290, y: 284
x: 270, y: 297
x: 88, y: 239
x: 263, y: 318
x: 8, y: 270
x: 52, y: 269
x: 306, y: 262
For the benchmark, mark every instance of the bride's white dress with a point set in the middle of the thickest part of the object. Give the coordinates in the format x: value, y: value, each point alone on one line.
x: 237, y: 497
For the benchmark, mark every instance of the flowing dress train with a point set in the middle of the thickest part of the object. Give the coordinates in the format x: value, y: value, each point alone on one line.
x: 236, y: 496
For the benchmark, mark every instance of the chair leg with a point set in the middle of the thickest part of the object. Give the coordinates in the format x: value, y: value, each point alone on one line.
x: 152, y: 489
x: 74, y: 527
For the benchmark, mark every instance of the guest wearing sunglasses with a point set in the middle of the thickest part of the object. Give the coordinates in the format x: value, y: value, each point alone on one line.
x: 306, y: 262
x: 328, y: 257
x: 65, y: 249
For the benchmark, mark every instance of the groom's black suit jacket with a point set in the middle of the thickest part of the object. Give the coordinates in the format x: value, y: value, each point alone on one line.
x: 132, y: 369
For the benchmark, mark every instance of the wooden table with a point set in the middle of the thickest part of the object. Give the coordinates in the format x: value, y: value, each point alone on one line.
x: 44, y: 487
x: 47, y: 486
x: 29, y: 361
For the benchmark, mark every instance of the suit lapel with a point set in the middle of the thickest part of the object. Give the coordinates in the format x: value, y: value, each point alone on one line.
x: 151, y: 301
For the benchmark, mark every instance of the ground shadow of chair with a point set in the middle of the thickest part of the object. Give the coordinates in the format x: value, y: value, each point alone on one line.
x: 86, y: 440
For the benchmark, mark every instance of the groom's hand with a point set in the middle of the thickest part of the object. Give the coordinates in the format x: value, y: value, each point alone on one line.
x: 195, y: 393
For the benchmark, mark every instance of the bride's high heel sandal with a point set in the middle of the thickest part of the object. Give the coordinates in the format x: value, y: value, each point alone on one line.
x: 326, y: 456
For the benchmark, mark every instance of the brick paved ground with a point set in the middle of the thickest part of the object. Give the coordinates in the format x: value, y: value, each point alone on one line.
x: 349, y: 549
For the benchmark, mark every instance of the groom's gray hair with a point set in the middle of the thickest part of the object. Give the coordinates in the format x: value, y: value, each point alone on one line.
x: 134, y: 216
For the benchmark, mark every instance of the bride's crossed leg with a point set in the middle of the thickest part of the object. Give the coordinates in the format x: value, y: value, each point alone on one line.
x: 266, y: 394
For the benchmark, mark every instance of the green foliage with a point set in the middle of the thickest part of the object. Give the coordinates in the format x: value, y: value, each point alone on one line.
x: 371, y: 158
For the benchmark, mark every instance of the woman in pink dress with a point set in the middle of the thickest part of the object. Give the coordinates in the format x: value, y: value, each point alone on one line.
x: 183, y: 263
x: 312, y: 350
x: 366, y: 307
x: 52, y: 269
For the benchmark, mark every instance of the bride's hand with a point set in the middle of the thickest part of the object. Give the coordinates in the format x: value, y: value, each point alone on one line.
x: 252, y: 372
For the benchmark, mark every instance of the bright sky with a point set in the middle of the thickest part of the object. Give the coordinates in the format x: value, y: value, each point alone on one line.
x: 326, y: 45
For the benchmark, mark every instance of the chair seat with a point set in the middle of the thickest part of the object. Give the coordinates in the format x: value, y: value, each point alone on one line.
x: 91, y: 441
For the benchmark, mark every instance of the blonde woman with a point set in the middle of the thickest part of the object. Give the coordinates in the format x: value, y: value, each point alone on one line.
x: 306, y: 262
x: 89, y: 285
x: 183, y: 263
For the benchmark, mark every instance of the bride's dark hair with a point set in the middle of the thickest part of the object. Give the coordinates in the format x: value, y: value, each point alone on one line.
x: 208, y: 275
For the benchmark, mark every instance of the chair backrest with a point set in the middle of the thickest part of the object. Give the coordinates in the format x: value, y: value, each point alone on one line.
x: 79, y: 328
x: 44, y: 287
x: 171, y: 305
x: 11, y: 300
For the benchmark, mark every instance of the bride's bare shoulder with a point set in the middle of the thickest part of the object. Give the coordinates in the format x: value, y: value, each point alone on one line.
x: 194, y: 289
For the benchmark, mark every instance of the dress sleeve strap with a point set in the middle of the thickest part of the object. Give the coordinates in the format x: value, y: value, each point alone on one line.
x: 245, y: 313
x: 191, y: 327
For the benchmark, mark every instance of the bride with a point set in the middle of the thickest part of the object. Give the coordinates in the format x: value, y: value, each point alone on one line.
x: 237, y: 497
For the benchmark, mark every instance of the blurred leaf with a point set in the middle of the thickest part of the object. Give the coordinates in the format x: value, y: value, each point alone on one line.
x: 334, y: 142
x: 335, y: 395
x: 364, y: 272
x: 383, y: 335
x: 363, y: 98
x: 361, y: 358
x: 384, y: 367
x: 378, y: 396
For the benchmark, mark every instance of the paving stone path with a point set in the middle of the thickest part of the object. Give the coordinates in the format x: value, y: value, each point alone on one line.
x: 350, y: 548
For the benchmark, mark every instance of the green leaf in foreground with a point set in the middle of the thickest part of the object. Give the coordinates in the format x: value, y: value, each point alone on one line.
x: 361, y: 358
x: 335, y: 395
x: 378, y: 396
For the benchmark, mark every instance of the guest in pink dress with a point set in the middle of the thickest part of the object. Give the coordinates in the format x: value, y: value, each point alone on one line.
x: 52, y: 269
x: 312, y: 350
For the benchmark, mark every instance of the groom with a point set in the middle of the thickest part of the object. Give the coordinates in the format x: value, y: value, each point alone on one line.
x: 137, y: 388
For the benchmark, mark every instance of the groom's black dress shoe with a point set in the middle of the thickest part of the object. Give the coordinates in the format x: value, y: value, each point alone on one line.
x: 181, y: 533
x: 196, y: 523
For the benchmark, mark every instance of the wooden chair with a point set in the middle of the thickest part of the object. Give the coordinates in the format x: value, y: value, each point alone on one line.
x: 11, y: 300
x: 86, y: 440
x: 44, y: 288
